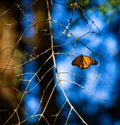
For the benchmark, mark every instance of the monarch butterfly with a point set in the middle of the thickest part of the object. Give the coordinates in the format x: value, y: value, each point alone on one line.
x: 83, y: 62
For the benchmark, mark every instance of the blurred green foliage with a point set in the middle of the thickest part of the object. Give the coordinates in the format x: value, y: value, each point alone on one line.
x: 108, y: 8
x: 111, y: 9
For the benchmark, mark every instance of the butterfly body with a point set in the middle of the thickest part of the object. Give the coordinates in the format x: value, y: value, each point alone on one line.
x: 83, y: 61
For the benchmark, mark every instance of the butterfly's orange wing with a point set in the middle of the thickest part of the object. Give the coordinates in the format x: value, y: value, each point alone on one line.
x: 83, y: 62
x: 94, y: 62
x: 77, y: 61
